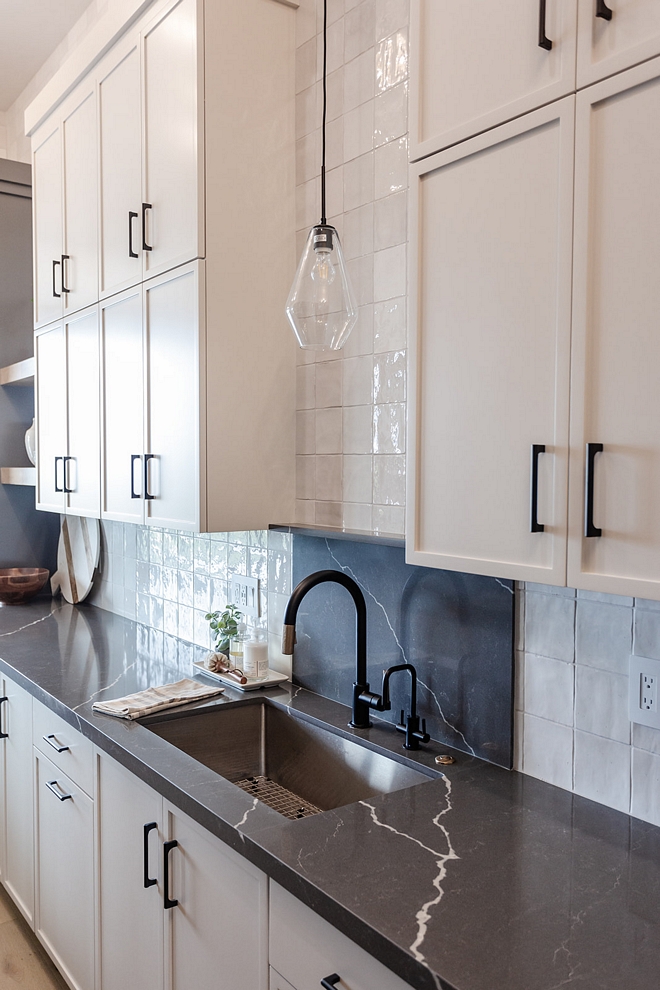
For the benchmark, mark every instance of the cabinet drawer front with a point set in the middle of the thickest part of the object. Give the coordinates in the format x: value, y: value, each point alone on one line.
x: 306, y: 949
x: 64, y: 746
x: 278, y: 982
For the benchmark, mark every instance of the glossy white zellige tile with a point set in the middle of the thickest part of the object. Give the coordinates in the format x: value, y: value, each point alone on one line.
x: 361, y: 340
x: 329, y: 431
x: 602, y: 770
x: 361, y: 274
x: 359, y: 81
x: 647, y: 633
x: 601, y: 703
x: 359, y: 29
x: 359, y: 131
x: 306, y: 386
x: 550, y: 626
x: 549, y: 688
x: 305, y: 477
x: 358, y: 235
x: 391, y: 168
x: 645, y: 737
x: 390, y: 221
x: 328, y: 514
x: 335, y: 95
x: 390, y: 428
x: 391, y: 61
x: 357, y: 516
x: 390, y: 114
x: 389, y: 479
x: 306, y: 431
x: 306, y: 65
x: 359, y: 182
x: 357, y: 429
x: 358, y: 478
x: 328, y: 477
x: 603, y: 635
x: 358, y: 380
x: 548, y: 751
x: 389, y: 519
x: 390, y: 325
x: 390, y: 16
x: 389, y: 273
x: 646, y: 786
x: 390, y: 377
x: 328, y: 384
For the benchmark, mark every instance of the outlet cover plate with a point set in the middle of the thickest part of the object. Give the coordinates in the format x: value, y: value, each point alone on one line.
x: 245, y: 595
x: 644, y: 691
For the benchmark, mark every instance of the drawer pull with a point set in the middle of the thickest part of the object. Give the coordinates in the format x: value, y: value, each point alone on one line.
x: 145, y: 246
x: 65, y: 257
x: 131, y: 216
x: 544, y: 41
x: 57, y: 487
x: 535, y: 526
x: 602, y: 10
x: 168, y: 902
x: 330, y: 981
x: 134, y: 458
x: 4, y: 735
x: 589, y: 528
x: 147, y: 493
x: 148, y: 881
x: 59, y: 793
x: 53, y: 742
x: 56, y: 294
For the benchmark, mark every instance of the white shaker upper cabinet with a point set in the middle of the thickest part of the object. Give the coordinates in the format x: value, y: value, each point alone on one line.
x: 120, y: 151
x: 82, y: 474
x: 489, y: 359
x: 80, y: 245
x: 478, y: 63
x: 122, y: 443
x: 616, y: 345
x: 47, y: 222
x: 50, y: 417
x: 615, y: 35
x: 173, y: 307
x: 172, y: 212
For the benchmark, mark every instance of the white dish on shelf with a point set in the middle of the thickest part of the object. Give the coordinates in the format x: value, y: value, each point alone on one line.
x: 272, y: 678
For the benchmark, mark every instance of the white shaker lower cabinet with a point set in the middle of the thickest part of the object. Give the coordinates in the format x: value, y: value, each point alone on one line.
x: 131, y: 880
x: 305, y: 949
x: 64, y: 873
x: 490, y: 284
x: 17, y: 787
x: 217, y: 931
x: 616, y: 300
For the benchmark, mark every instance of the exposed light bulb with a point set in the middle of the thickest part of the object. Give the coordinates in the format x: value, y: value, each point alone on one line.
x: 321, y: 307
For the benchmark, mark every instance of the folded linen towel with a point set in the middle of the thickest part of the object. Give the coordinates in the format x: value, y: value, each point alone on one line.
x: 156, y: 698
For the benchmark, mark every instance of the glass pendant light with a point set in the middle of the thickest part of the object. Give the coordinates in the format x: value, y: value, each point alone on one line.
x: 321, y: 307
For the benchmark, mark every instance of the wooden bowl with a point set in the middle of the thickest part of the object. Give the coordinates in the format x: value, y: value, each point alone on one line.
x: 19, y: 584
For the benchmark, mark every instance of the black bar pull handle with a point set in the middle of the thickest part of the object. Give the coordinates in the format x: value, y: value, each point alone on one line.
x: 131, y: 217
x: 330, y: 982
x: 134, y: 458
x: 535, y: 526
x: 589, y: 528
x: 544, y: 41
x: 147, y: 458
x: 65, y: 257
x: 145, y: 246
x: 65, y: 462
x: 57, y: 487
x: 168, y: 902
x: 148, y: 881
x: 602, y: 10
x: 4, y: 735
x: 57, y: 295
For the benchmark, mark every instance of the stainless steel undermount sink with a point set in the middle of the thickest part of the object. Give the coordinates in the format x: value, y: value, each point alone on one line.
x: 297, y: 768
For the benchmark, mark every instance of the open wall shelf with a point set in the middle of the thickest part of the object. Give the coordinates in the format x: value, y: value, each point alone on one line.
x: 21, y: 373
x: 18, y: 476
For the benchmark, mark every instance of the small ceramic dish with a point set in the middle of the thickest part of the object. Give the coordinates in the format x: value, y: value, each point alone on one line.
x: 19, y: 584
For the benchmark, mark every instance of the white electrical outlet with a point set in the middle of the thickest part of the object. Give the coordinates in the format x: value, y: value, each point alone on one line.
x: 643, y: 693
x: 245, y: 595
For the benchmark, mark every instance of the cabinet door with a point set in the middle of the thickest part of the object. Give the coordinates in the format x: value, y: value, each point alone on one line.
x: 83, y: 465
x: 120, y: 143
x: 50, y: 363
x: 80, y: 260
x: 64, y: 873
x: 217, y: 934
x: 173, y: 304
x: 631, y: 35
x: 173, y: 138
x: 489, y: 357
x: 122, y: 407
x: 19, y: 854
x: 476, y: 63
x: 130, y: 880
x: 615, y: 399
x: 47, y: 223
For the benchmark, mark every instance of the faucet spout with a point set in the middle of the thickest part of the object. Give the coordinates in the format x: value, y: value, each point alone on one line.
x: 360, y: 717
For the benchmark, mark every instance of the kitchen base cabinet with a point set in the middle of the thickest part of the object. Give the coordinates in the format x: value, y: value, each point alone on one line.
x: 64, y: 873
x: 631, y: 35
x: 217, y: 932
x: 17, y: 814
x: 130, y: 901
x: 307, y: 949
x: 278, y: 982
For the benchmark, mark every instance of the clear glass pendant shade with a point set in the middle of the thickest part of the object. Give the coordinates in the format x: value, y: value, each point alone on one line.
x: 321, y: 307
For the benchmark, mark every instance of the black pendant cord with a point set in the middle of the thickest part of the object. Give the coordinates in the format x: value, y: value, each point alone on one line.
x: 325, y: 104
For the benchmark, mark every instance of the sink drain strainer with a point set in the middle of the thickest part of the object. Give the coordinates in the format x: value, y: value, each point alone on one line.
x: 277, y: 797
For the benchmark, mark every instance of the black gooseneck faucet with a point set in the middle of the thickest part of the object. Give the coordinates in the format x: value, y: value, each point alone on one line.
x: 360, y: 718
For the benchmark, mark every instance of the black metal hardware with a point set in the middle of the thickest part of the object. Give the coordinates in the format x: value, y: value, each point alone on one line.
x: 65, y: 461
x: 535, y: 525
x: 360, y: 713
x: 59, y: 793
x: 330, y: 982
x: 589, y: 528
x: 544, y: 41
x: 134, y: 458
x: 57, y: 295
x: 131, y: 217
x: 602, y: 10
x: 4, y: 735
x: 168, y: 902
x: 147, y: 458
x: 57, y: 489
x: 65, y: 257
x: 145, y: 246
x: 58, y: 749
x: 148, y: 881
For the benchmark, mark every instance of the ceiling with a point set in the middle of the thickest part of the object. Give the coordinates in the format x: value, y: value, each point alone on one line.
x: 30, y: 30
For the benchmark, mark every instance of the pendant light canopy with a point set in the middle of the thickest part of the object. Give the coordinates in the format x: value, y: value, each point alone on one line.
x: 321, y: 307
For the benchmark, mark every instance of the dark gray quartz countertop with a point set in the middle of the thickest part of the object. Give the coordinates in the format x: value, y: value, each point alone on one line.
x: 481, y: 880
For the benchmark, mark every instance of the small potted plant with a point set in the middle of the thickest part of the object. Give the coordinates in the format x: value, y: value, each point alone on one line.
x: 225, y: 626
